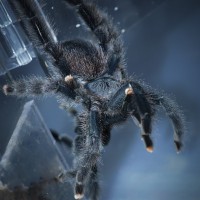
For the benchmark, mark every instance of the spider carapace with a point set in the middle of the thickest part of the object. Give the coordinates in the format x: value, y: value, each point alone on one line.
x: 93, y: 74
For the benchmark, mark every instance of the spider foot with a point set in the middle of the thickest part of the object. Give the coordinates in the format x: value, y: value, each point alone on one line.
x: 79, y: 192
x: 178, y: 145
x: 7, y: 89
x: 148, y: 143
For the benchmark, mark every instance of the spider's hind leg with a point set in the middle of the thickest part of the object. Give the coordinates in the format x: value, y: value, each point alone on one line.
x: 104, y: 30
x: 41, y: 33
x: 35, y: 24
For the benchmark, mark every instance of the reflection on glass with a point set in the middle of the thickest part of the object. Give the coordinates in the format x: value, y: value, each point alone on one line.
x: 14, y: 46
x: 32, y: 161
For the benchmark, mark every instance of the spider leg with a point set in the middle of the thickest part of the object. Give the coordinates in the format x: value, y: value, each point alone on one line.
x: 37, y: 86
x: 107, y: 34
x: 30, y: 87
x: 88, y: 151
x: 38, y: 29
x: 93, y: 184
x: 175, y: 114
x: 119, y: 99
x: 106, y: 135
x: 142, y: 114
x: 119, y: 107
x: 144, y: 108
x: 41, y: 33
x: 130, y: 100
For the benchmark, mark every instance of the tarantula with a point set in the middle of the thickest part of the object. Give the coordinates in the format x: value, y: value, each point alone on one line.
x: 93, y: 74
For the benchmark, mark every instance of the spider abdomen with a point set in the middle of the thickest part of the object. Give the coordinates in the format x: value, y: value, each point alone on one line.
x: 84, y: 59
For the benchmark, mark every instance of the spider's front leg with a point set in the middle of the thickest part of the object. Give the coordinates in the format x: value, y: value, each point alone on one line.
x: 142, y: 114
x: 174, y: 113
x: 130, y: 100
x: 88, y: 152
x: 147, y: 100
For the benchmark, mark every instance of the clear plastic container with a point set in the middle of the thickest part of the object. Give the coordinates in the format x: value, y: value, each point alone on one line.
x: 15, y: 49
x: 32, y: 161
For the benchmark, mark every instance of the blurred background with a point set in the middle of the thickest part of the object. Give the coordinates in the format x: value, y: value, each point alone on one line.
x: 162, y: 42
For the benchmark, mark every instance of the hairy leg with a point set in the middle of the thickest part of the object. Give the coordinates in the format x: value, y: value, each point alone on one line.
x: 42, y: 34
x: 173, y: 111
x: 142, y: 114
x: 177, y: 118
x: 38, y: 86
x: 31, y: 87
x: 106, y: 135
x: 93, y: 184
x: 107, y: 34
x: 37, y: 27
x: 88, y: 149
x: 130, y: 100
